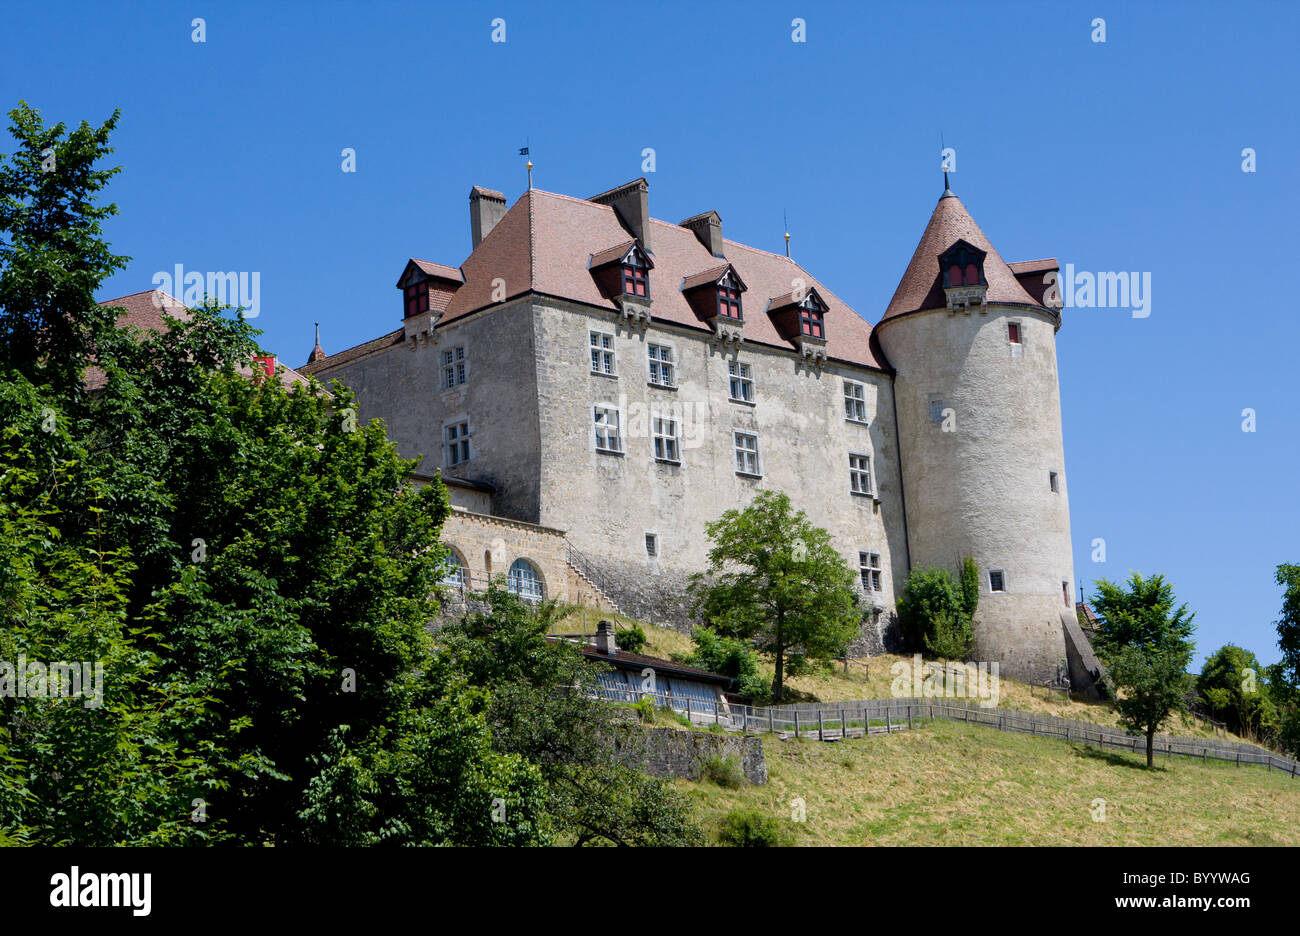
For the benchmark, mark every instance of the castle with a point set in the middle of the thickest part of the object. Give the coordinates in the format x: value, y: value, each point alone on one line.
x: 595, y: 385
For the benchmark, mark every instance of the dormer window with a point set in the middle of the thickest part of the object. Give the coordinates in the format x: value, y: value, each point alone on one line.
x: 729, y: 297
x: 622, y: 274
x: 417, y: 298
x: 964, y: 284
x: 962, y: 265
x: 714, y: 297
x: 800, y: 318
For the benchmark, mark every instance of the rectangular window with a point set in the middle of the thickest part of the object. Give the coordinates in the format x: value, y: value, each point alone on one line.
x: 1065, y: 593
x: 1054, y: 482
x: 453, y: 367
x: 729, y: 298
x: 635, y: 280
x: 1013, y: 332
x: 602, y: 353
x: 742, y: 385
x: 661, y: 365
x: 417, y: 299
x: 457, y: 438
x: 607, y: 434
x: 810, y: 323
x: 997, y: 580
x: 665, y: 435
x: 936, y: 409
x: 746, y: 453
x: 855, y: 401
x: 869, y: 567
x: 860, y: 474
x: 652, y: 544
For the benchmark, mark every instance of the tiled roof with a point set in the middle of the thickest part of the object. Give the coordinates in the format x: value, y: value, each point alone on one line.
x: 609, y: 256
x: 351, y: 354
x: 638, y: 661
x: 922, y: 285
x: 544, y: 242
x: 706, y: 278
x: 439, y: 270
x: 145, y: 311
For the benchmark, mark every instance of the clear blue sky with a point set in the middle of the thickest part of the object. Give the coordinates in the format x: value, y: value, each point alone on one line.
x: 1121, y: 156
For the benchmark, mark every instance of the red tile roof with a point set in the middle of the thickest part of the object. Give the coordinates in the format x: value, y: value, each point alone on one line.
x: 146, y: 311
x: 545, y: 241
x: 600, y: 258
x: 439, y: 270
x: 922, y: 285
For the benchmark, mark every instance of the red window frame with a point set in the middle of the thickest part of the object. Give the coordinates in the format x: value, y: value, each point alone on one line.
x: 811, y: 322
x: 417, y: 299
x: 636, y: 280
x: 729, y: 302
x: 972, y: 275
x: 954, y: 275
x: 1013, y: 332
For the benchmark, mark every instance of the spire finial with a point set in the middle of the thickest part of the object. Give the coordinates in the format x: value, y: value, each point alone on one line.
x: 786, y: 219
x: 318, y: 333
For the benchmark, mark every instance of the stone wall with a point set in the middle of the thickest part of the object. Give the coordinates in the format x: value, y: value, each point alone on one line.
x: 487, y: 546
x: 609, y: 502
x: 669, y: 752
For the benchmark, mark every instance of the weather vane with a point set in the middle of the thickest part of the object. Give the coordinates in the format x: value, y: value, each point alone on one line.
x: 523, y: 151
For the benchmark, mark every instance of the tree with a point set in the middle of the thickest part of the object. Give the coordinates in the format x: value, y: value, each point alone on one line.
x: 1236, y: 687
x: 775, y: 579
x: 933, y: 610
x: 1145, y: 642
x: 729, y: 656
x: 52, y: 255
x: 1288, y: 625
x: 543, y: 709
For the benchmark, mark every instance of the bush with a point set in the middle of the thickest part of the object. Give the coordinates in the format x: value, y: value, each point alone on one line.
x: 749, y: 828
x: 632, y: 639
x: 729, y: 656
x: 932, y: 612
x: 724, y: 771
x: 645, y: 708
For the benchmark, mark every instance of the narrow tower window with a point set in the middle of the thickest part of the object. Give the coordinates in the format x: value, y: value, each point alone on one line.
x: 997, y: 580
x: 1054, y: 481
x: 1013, y: 332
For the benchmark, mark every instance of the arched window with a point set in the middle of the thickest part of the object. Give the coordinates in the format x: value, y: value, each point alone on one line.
x: 454, y: 575
x: 525, y: 581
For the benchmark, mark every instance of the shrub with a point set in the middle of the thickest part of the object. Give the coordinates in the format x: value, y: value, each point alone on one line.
x: 645, y: 708
x: 932, y: 612
x: 749, y: 828
x: 724, y: 771
x: 632, y: 639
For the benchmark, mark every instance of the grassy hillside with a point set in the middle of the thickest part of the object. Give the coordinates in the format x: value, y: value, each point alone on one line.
x: 875, y: 681
x: 945, y: 783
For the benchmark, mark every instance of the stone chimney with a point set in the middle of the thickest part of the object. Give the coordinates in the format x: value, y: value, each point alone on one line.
x: 486, y: 208
x: 707, y: 228
x: 605, y: 642
x: 631, y: 203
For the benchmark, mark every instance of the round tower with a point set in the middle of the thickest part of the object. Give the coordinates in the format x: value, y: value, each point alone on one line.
x: 973, y: 345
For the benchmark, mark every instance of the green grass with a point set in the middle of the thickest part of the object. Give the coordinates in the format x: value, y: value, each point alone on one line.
x: 945, y: 783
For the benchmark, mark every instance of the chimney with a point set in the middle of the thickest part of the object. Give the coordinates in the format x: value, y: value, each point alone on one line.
x: 631, y: 203
x: 486, y: 208
x: 605, y: 638
x: 707, y: 228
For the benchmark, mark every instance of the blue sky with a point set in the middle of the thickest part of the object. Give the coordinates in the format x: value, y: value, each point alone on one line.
x: 1115, y: 156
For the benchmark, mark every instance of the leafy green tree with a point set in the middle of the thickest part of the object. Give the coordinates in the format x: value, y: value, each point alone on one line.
x: 932, y: 611
x: 776, y: 579
x: 52, y: 255
x: 1236, y: 687
x: 729, y: 656
x: 1288, y: 625
x: 1146, y: 643
x: 543, y: 709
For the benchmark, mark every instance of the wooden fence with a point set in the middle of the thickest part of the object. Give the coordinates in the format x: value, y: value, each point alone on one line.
x: 836, y: 720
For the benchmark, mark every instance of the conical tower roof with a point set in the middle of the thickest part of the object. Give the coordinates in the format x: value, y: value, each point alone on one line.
x: 922, y: 285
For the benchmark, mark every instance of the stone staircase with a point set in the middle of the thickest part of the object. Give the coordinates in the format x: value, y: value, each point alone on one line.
x: 584, y: 569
